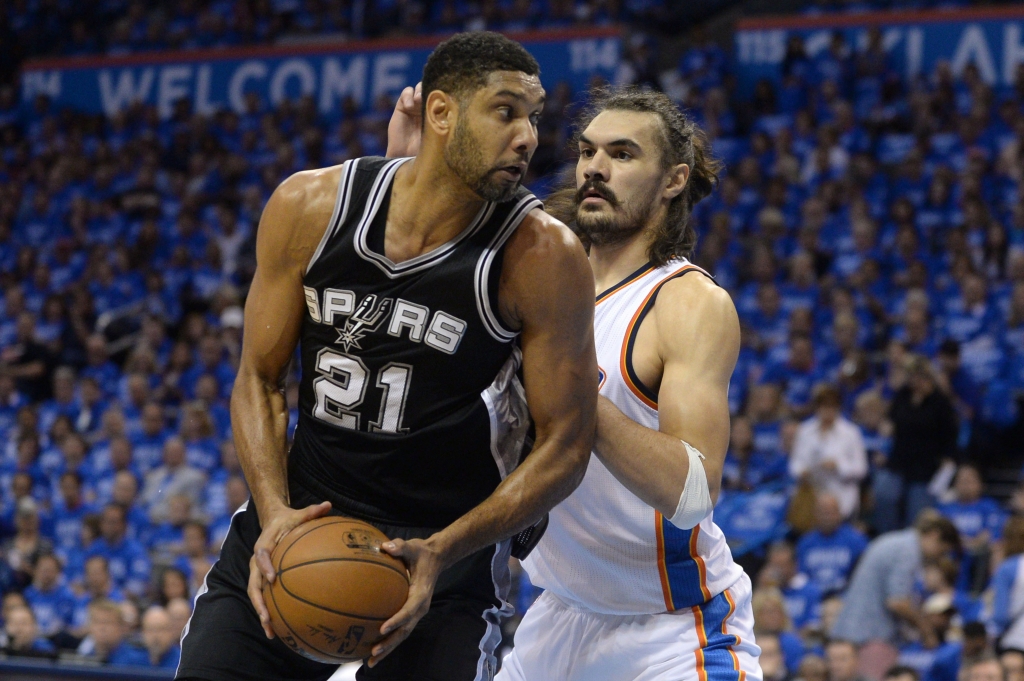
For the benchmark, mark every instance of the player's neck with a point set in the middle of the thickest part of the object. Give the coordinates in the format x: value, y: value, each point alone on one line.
x: 429, y: 207
x: 614, y: 262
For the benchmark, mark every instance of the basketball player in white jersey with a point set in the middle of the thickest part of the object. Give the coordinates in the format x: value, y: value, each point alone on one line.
x: 639, y: 581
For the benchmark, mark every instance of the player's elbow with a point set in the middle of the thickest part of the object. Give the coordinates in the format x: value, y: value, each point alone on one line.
x: 689, y: 502
x: 251, y: 383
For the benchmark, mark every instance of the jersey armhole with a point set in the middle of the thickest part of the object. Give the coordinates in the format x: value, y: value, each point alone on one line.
x: 636, y: 386
x: 340, y: 213
x: 486, y: 275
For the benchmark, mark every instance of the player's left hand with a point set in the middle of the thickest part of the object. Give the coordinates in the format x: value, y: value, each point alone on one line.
x: 425, y: 564
x: 405, y: 129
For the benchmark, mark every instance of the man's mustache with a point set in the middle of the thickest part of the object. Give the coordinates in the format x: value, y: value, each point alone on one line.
x: 596, y: 187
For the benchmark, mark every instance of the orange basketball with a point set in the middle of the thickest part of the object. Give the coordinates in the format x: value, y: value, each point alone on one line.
x: 334, y: 589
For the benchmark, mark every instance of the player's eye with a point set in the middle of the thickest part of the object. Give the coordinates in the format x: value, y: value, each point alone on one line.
x: 623, y: 156
x: 535, y: 119
x: 506, y: 112
x: 586, y: 153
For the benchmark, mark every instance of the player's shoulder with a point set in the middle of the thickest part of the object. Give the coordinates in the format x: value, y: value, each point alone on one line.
x: 296, y: 216
x: 305, y: 191
x: 695, y: 299
x: 545, y: 241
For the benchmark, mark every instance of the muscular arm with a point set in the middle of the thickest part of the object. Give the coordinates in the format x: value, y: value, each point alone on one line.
x: 292, y: 225
x: 273, y: 319
x: 548, y: 289
x: 697, y: 336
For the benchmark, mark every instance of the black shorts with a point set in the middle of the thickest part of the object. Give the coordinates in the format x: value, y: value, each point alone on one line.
x: 455, y: 640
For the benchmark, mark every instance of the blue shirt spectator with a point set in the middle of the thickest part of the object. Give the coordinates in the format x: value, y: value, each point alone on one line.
x: 828, y: 553
x: 979, y: 519
x: 51, y: 601
x: 127, y: 559
x: 801, y: 597
x: 70, y: 512
x: 22, y: 634
x: 97, y: 586
x: 797, y: 376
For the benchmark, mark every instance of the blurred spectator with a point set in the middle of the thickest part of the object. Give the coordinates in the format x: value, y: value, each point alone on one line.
x: 924, y: 433
x: 23, y: 639
x: 812, y: 668
x: 148, y: 443
x: 986, y: 669
x: 980, y: 522
x: 179, y: 611
x: 165, y: 541
x: 1008, y: 587
x: 106, y: 641
x: 69, y: 512
x: 881, y: 593
x: 23, y: 550
x: 1012, y: 660
x: 773, y: 665
x: 829, y: 452
x: 828, y: 553
x: 27, y: 361
x: 97, y: 586
x: 159, y: 640
x: 801, y: 596
x: 173, y: 586
x: 174, y: 477
x: 52, y: 602
x: 195, y: 559
x: 771, y: 619
x: 841, y: 658
x: 126, y: 558
x: 745, y: 466
x: 938, y: 609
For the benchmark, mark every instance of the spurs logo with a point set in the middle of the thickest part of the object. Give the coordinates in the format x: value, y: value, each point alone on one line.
x: 365, y: 319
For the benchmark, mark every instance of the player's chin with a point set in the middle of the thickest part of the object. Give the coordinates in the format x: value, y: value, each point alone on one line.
x: 499, y: 191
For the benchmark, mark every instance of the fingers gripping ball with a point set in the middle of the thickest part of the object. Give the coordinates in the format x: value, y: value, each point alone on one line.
x: 334, y: 589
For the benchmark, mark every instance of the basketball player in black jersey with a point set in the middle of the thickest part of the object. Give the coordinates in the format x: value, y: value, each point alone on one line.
x: 418, y: 288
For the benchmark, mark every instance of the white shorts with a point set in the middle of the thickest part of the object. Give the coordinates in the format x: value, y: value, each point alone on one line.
x: 557, y: 641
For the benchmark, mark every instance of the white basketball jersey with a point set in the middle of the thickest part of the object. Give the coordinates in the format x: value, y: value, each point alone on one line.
x: 604, y: 548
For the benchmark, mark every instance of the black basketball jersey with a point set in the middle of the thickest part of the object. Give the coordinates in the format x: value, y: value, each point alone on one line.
x: 410, y: 411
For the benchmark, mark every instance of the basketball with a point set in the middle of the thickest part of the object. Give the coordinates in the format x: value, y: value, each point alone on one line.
x: 334, y: 589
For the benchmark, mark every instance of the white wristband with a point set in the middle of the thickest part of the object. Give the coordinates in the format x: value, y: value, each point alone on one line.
x: 695, y: 501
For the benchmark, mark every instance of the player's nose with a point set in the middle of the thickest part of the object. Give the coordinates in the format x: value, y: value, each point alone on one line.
x: 596, y: 168
x: 525, y: 141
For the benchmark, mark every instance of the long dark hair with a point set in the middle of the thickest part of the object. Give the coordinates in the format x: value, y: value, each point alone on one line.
x: 683, y: 142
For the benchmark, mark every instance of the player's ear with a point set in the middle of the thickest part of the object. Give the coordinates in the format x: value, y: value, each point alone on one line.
x: 440, y: 112
x: 676, y: 181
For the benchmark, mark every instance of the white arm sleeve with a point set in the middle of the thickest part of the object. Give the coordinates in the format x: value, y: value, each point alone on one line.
x: 695, y: 501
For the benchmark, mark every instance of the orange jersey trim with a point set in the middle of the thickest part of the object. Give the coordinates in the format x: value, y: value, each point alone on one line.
x: 701, y: 567
x: 624, y: 354
x: 659, y: 534
x: 702, y: 640
x: 632, y: 279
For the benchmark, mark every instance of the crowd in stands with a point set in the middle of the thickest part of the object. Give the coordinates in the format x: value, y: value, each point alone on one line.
x: 119, y: 27
x: 870, y: 229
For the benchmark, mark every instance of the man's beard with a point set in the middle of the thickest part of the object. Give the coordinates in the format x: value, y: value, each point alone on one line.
x: 603, y: 229
x: 464, y: 157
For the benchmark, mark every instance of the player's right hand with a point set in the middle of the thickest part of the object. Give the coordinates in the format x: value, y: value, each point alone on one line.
x: 261, y: 570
